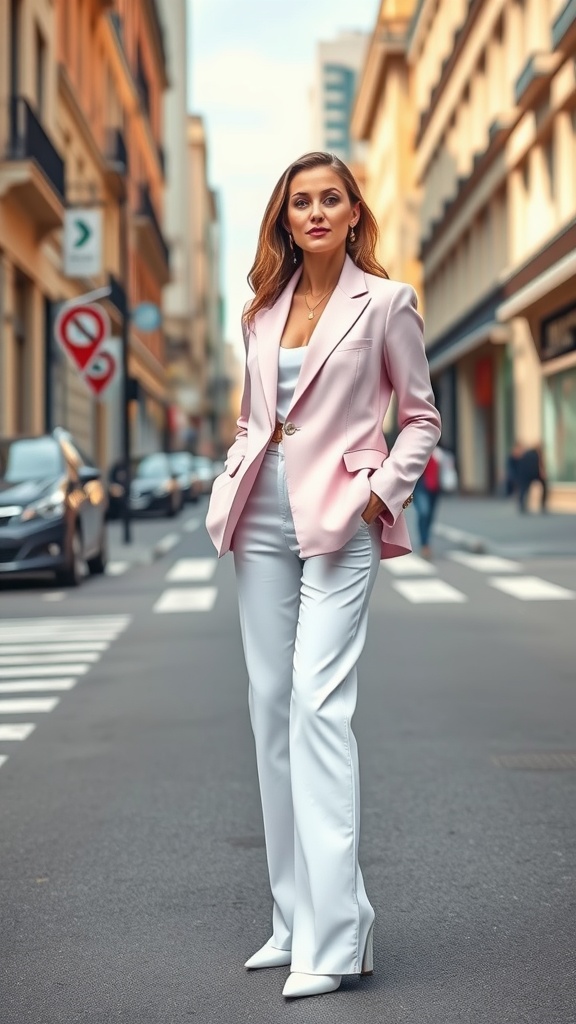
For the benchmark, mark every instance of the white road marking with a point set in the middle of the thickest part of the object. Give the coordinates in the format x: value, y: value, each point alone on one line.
x: 17, y: 731
x: 531, y: 588
x: 45, y: 659
x: 54, y: 595
x: 42, y: 670
x: 37, y: 685
x: 167, y: 543
x: 484, y: 563
x: 3, y: 759
x: 6, y: 647
x: 28, y: 706
x: 20, y: 635
x: 192, y: 524
x: 429, y: 592
x: 192, y: 570
x: 116, y: 568
x: 76, y: 620
x: 187, y: 599
x: 408, y: 565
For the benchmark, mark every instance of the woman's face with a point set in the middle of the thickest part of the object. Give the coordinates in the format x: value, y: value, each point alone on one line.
x: 319, y: 213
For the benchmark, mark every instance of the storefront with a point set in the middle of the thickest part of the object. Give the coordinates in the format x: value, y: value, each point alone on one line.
x: 558, y: 356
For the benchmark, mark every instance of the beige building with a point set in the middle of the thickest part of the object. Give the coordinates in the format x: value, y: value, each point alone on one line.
x: 491, y: 86
x: 81, y: 124
x: 205, y: 290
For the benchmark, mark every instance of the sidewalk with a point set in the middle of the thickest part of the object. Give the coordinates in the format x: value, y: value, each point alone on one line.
x: 494, y: 526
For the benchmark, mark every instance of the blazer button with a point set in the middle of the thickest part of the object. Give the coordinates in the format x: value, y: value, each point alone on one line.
x: 290, y: 428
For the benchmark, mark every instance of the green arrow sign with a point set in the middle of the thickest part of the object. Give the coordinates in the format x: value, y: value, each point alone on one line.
x: 85, y: 233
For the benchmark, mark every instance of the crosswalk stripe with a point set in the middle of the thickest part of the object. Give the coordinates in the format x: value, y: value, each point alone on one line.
x: 191, y: 524
x: 46, y: 659
x: 3, y: 759
x: 484, y: 563
x: 167, y: 543
x: 116, y: 568
x: 33, y: 633
x: 429, y: 592
x: 192, y: 569
x: 16, y: 731
x: 186, y: 599
x: 54, y: 595
x: 37, y: 685
x: 531, y: 588
x: 77, y: 620
x: 408, y: 565
x: 31, y: 647
x: 42, y: 670
x: 28, y: 706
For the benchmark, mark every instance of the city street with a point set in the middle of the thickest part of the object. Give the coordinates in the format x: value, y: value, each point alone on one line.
x: 133, y: 880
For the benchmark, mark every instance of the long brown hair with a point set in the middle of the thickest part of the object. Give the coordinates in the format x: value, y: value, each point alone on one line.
x: 274, y: 263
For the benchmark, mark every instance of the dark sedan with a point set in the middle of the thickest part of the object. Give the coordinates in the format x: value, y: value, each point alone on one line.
x: 52, y: 508
x: 155, y: 487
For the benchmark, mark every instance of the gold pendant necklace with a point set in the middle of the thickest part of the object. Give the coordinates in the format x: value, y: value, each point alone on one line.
x: 312, y: 308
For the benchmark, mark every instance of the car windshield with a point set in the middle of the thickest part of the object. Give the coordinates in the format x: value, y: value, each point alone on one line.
x: 153, y: 466
x: 30, y: 458
x: 181, y: 461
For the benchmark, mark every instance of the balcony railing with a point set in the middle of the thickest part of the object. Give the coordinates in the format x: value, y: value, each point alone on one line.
x: 29, y: 141
x: 565, y: 21
x: 116, y: 152
x: 146, y: 209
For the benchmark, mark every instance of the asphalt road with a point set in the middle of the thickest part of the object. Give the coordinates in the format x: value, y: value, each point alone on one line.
x: 132, y: 869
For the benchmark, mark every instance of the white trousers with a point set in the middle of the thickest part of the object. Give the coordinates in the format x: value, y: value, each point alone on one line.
x: 303, y: 625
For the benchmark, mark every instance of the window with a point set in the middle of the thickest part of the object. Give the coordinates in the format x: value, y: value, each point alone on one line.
x: 40, y: 71
x: 15, y: 30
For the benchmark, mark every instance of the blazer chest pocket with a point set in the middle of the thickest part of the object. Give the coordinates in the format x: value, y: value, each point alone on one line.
x: 364, y: 458
x: 354, y: 345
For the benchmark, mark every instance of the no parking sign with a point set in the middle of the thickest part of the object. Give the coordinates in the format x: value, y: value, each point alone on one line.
x: 82, y: 331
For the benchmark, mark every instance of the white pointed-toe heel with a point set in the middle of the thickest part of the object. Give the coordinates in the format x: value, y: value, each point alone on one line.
x: 269, y: 956
x: 368, y: 958
x: 310, y: 984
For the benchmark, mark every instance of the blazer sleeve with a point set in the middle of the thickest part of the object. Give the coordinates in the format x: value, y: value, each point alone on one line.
x: 238, y: 447
x: 419, y: 420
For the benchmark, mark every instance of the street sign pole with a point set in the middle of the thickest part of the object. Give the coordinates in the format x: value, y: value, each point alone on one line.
x: 124, y: 390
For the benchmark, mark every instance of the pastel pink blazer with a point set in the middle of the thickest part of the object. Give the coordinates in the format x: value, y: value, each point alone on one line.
x: 367, y: 344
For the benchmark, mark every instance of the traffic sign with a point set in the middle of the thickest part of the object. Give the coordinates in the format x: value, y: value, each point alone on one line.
x: 101, y: 373
x: 81, y: 330
x: 82, y: 242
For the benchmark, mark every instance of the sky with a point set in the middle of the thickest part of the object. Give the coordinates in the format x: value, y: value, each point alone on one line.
x: 251, y: 71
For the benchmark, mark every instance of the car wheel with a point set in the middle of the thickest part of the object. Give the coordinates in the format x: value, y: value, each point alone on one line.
x: 72, y: 575
x: 97, y: 565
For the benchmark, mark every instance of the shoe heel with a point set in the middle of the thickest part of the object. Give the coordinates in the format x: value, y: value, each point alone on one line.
x: 368, y: 958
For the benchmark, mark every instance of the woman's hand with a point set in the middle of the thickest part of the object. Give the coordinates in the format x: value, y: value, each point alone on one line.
x: 373, y: 509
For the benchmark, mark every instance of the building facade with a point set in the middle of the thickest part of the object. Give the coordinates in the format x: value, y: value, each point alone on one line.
x: 492, y: 85
x: 83, y: 82
x: 338, y: 63
x: 208, y: 351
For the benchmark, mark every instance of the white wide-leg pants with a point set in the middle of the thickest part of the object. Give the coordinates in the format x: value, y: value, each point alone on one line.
x: 303, y: 625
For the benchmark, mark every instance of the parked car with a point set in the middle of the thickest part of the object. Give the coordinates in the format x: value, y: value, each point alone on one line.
x: 182, y: 464
x: 205, y: 473
x: 154, y: 486
x: 52, y: 508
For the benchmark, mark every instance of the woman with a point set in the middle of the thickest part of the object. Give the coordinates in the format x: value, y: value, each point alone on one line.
x: 309, y: 502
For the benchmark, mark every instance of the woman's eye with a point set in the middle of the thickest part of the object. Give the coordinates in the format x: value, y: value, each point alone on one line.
x: 300, y: 203
x: 331, y: 200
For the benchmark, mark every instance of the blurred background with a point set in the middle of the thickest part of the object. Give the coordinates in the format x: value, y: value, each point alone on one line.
x: 139, y: 141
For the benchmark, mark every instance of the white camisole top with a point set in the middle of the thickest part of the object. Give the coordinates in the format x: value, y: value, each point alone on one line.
x: 289, y: 363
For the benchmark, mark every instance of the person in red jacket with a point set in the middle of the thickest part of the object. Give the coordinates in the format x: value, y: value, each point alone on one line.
x: 426, y: 494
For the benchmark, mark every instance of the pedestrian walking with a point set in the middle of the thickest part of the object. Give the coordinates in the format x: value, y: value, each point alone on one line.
x: 309, y: 502
x: 439, y: 477
x: 530, y: 469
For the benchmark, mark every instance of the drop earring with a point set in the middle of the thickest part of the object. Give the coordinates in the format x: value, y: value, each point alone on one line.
x: 352, y: 237
x: 294, y: 256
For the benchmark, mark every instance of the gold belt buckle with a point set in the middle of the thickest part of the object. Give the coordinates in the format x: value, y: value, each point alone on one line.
x: 277, y: 435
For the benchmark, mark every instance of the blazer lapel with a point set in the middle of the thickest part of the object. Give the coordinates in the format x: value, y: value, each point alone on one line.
x: 345, y: 306
x: 268, y: 328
